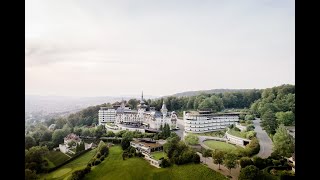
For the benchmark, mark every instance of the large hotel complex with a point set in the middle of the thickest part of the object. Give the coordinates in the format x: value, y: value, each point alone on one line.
x: 152, y: 119
x: 205, y: 121
x: 194, y: 121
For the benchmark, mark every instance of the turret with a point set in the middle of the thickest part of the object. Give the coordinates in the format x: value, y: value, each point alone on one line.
x: 164, y: 110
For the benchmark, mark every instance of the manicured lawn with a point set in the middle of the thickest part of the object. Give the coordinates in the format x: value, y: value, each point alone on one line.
x: 114, y: 168
x: 56, y: 157
x: 158, y: 155
x: 220, y: 145
x: 236, y: 133
x: 65, y: 171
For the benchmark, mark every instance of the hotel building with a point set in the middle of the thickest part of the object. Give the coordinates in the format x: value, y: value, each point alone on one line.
x: 206, y: 121
x: 152, y: 119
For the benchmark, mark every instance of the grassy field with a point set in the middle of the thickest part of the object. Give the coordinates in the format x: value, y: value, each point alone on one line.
x: 158, y: 155
x: 56, y: 158
x: 64, y: 172
x: 114, y: 168
x: 220, y: 145
x: 237, y: 133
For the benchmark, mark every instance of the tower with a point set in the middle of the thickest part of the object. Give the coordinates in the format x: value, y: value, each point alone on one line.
x: 164, y: 110
x: 142, y: 105
x: 122, y: 104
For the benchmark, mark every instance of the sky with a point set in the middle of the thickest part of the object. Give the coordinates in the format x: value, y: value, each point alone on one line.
x: 121, y: 47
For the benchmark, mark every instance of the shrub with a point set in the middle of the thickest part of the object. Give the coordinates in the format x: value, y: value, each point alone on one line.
x: 250, y: 127
x: 102, y: 158
x: 98, y: 155
x: 245, y: 161
x: 30, y: 175
x: 97, y: 162
x: 253, y: 147
x: 276, y: 162
x: 250, y: 134
x: 79, y: 174
x: 165, y: 163
x: 249, y: 173
x: 236, y: 129
x: 196, y: 158
x: 259, y: 162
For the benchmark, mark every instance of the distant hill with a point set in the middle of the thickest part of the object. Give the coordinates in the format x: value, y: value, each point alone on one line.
x: 211, y: 91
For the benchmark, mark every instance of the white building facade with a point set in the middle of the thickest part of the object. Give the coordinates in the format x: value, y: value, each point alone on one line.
x: 152, y: 119
x: 106, y: 115
x: 206, y: 121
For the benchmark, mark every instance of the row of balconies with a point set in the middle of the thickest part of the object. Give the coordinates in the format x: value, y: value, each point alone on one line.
x: 222, y: 126
x: 212, y: 120
x: 208, y: 122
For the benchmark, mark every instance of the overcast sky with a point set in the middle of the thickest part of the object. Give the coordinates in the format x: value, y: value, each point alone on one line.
x: 112, y: 48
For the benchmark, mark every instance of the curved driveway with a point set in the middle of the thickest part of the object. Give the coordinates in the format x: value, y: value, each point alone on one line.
x: 264, y: 140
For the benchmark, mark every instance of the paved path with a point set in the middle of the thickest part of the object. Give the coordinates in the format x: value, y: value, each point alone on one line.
x: 180, y: 124
x: 264, y: 140
x: 223, y: 170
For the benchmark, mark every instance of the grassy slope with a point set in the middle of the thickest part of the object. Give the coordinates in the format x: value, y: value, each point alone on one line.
x: 236, y: 133
x: 220, y: 145
x: 65, y: 171
x: 113, y: 167
x: 56, y: 157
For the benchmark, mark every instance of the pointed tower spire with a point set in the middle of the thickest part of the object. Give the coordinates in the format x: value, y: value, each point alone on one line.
x: 164, y: 109
x: 122, y: 103
x: 142, y: 96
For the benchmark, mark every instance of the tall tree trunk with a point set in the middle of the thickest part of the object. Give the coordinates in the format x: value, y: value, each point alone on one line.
x: 219, y: 166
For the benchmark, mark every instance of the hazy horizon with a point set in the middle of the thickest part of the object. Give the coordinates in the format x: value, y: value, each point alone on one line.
x: 118, y: 48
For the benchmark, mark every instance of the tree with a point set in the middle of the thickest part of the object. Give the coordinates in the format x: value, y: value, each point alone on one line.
x: 191, y: 139
x: 218, y: 157
x: 34, y: 158
x: 253, y: 147
x: 283, y: 142
x: 58, y: 135
x: 86, y: 132
x: 30, y: 175
x: 249, y: 117
x: 250, y: 127
x: 250, y: 134
x: 99, y: 131
x: 133, y: 103
x: 29, y: 141
x: 60, y: 123
x: 46, y: 136
x: 72, y: 143
x: 259, y: 162
x: 230, y: 161
x: 166, y: 130
x: 110, y: 134
x: 245, y: 161
x: 249, y: 173
x: 269, y: 122
x: 126, y: 138
x: 207, y: 153
x: 286, y: 118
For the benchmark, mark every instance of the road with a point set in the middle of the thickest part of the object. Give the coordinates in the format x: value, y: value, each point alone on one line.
x: 264, y: 140
x: 181, y: 128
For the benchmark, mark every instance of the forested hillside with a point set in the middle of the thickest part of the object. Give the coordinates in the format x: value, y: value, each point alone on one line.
x: 275, y: 107
x: 211, y: 91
